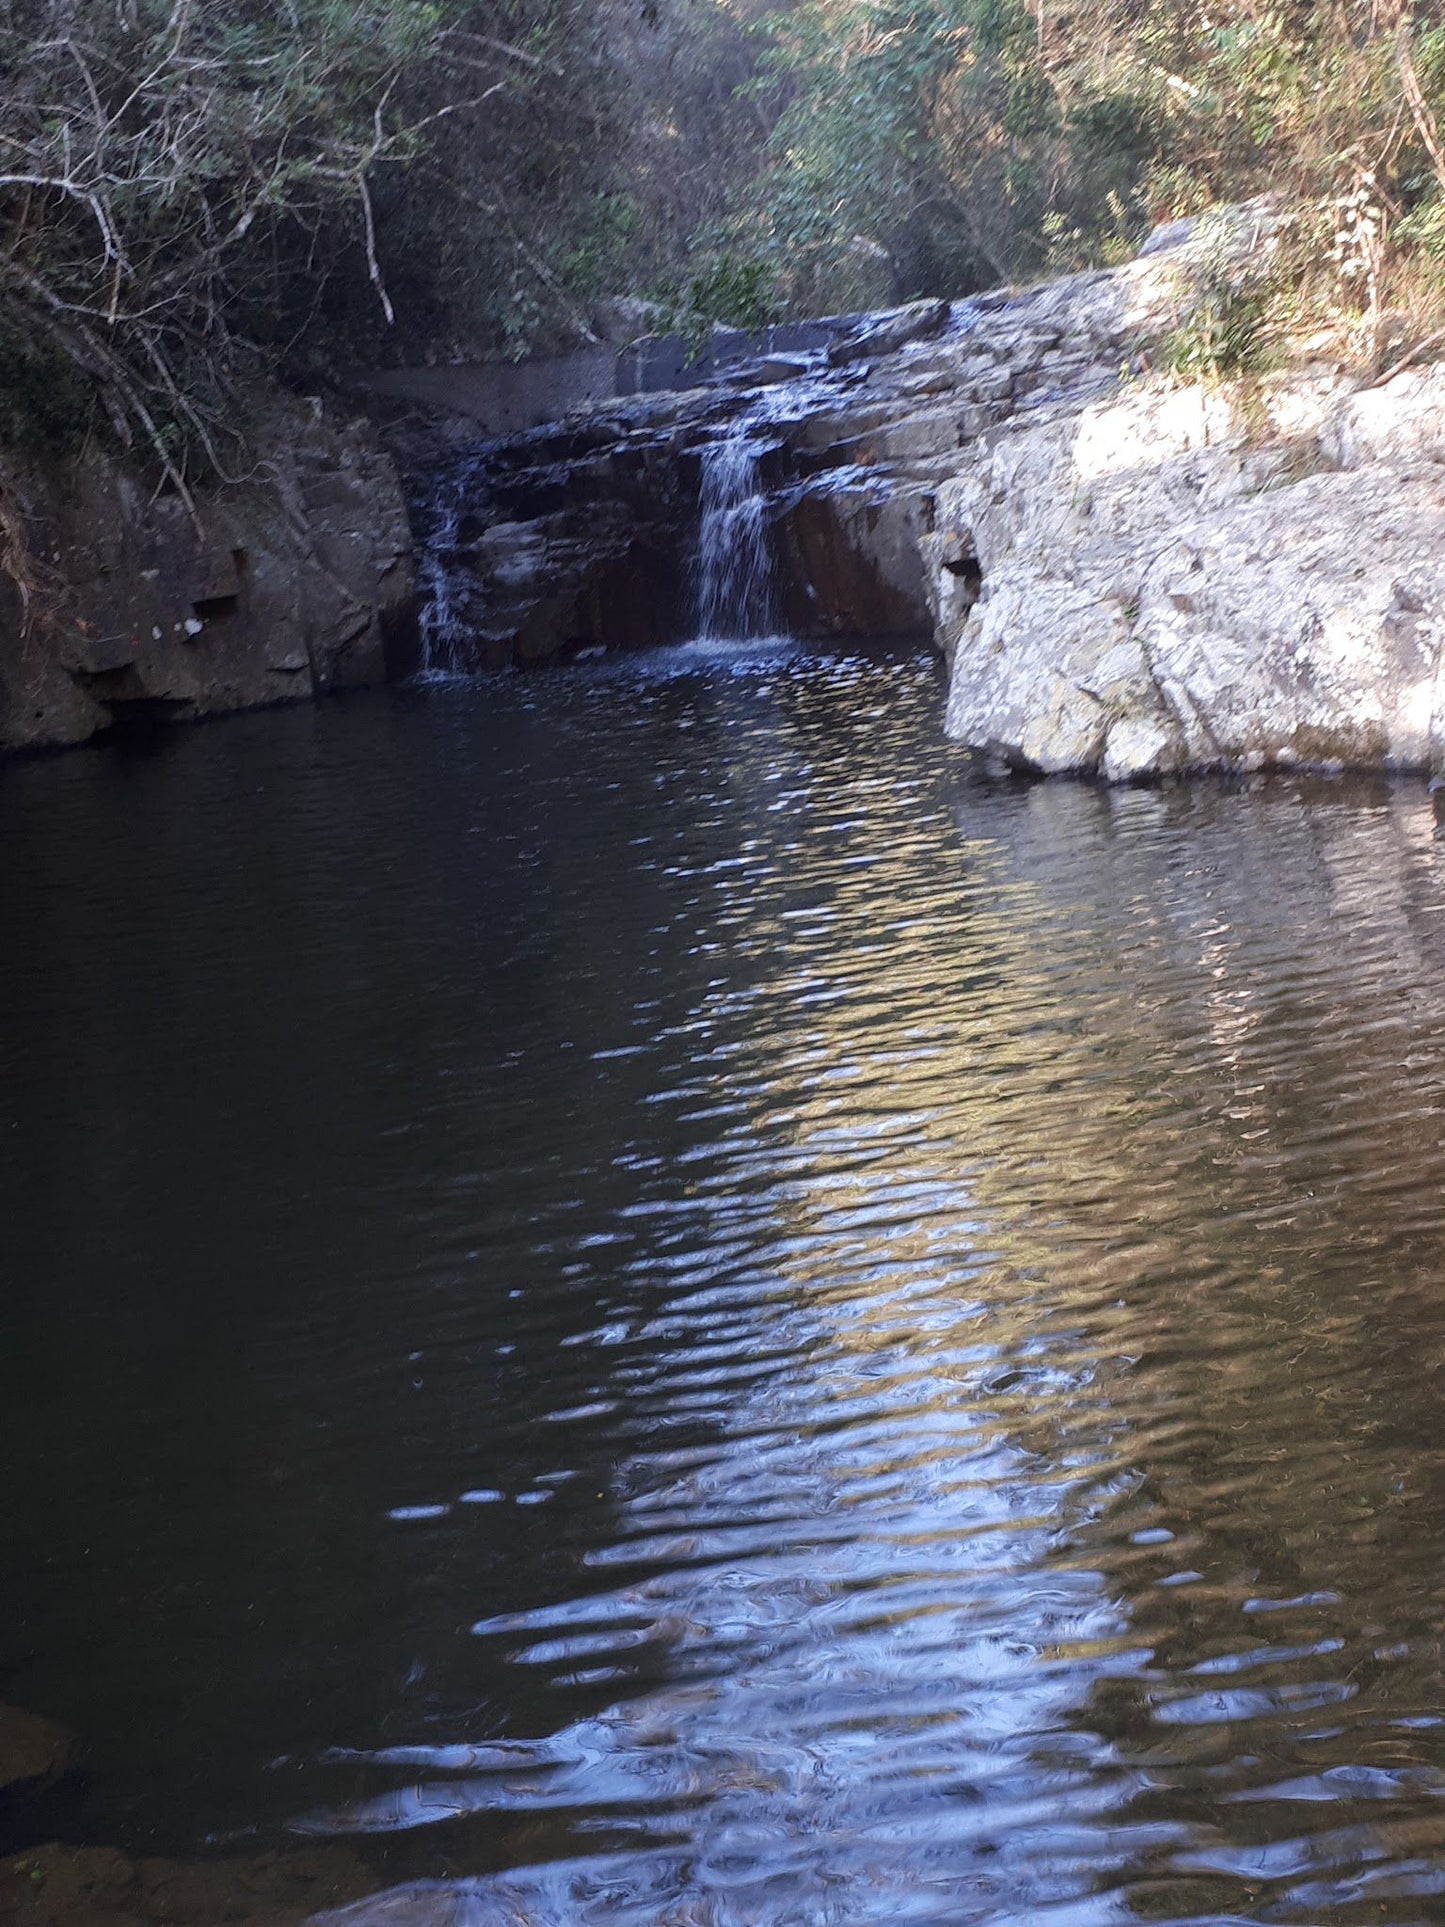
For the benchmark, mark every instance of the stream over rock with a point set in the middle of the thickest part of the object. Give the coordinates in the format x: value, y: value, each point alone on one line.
x: 1129, y: 576
x: 734, y: 554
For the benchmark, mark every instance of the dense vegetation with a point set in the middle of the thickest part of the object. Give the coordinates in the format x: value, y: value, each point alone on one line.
x: 960, y: 142
x: 192, y: 190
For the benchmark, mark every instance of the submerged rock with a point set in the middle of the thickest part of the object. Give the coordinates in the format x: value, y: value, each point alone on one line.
x: 64, y: 1886
x: 56, y: 1886
x: 31, y: 1747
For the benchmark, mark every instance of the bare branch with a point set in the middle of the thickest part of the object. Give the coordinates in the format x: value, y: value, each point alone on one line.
x: 58, y: 184
x: 1417, y: 353
x: 1425, y: 124
x: 504, y: 48
x: 373, y: 266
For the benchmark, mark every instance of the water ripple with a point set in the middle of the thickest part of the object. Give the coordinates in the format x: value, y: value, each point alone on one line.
x: 879, y: 1334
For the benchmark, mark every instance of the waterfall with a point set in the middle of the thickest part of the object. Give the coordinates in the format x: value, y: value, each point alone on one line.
x: 734, y: 564
x: 444, y: 630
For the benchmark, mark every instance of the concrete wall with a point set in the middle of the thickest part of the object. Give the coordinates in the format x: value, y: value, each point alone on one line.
x: 508, y: 397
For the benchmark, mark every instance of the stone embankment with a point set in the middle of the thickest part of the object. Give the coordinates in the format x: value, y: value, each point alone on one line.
x: 117, y: 604
x: 1128, y: 576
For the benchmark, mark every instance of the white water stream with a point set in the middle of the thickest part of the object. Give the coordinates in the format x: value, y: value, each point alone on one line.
x: 735, y: 595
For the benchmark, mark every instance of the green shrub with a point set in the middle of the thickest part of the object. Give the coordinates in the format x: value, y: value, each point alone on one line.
x: 723, y: 290
x: 1226, y: 332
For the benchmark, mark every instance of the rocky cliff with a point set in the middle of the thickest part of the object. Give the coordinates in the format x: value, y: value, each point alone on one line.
x: 116, y: 602
x: 1187, y: 578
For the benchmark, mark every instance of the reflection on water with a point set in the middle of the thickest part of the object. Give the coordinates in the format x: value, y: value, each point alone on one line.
x: 636, y: 1294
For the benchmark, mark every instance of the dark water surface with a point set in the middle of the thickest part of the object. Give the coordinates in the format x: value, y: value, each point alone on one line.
x: 628, y: 1286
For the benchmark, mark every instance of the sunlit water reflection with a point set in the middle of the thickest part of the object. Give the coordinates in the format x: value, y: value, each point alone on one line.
x: 678, y: 1314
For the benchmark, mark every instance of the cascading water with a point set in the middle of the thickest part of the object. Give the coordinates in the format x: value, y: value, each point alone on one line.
x: 444, y: 631
x: 735, y: 601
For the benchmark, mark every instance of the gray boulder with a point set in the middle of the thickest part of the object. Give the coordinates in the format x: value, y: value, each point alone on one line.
x: 885, y: 334
x: 1168, y: 581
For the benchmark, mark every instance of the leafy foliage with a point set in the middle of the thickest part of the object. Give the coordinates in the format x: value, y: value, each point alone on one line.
x: 722, y: 289
x: 972, y: 141
x: 1226, y: 332
x: 45, y: 400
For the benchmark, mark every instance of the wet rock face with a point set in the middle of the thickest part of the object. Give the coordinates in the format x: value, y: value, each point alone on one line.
x: 601, y: 552
x: 31, y: 1747
x: 585, y: 535
x: 293, y: 582
x: 551, y: 543
x: 851, y: 564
